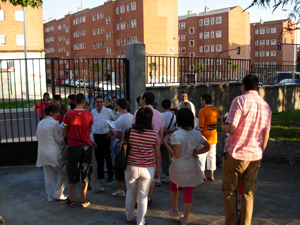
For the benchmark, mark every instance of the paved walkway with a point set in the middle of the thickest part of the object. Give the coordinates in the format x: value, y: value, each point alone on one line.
x: 23, y: 200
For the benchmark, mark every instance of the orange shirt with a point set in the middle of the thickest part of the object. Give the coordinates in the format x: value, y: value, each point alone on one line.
x: 208, y: 118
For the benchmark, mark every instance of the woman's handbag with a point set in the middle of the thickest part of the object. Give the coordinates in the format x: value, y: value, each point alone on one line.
x: 62, y: 158
x: 121, y: 160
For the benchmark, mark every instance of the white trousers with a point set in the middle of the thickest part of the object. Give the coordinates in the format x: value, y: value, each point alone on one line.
x: 95, y: 184
x: 55, y: 189
x: 211, y: 159
x: 134, y: 176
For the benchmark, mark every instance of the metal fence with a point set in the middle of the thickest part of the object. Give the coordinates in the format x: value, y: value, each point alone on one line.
x: 23, y: 85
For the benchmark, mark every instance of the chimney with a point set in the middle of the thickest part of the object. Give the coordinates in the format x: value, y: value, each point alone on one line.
x: 261, y: 21
x: 80, y: 9
x: 189, y: 12
x: 50, y: 19
x: 70, y: 12
x: 206, y: 9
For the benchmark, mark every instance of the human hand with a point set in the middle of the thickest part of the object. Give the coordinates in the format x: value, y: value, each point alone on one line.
x: 195, y: 154
x: 120, y: 143
x: 156, y: 176
x: 167, y: 139
x: 108, y: 136
x: 94, y: 145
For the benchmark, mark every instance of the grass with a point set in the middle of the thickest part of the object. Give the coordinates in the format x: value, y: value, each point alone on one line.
x: 19, y: 104
x: 285, y: 126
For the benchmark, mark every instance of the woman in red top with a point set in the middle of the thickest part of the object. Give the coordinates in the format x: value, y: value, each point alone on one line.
x: 140, y: 164
x: 42, y: 105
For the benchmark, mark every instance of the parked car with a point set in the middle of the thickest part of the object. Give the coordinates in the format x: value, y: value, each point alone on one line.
x: 67, y: 82
x: 72, y: 82
x: 286, y: 82
x: 106, y: 86
x: 80, y: 83
x: 58, y: 81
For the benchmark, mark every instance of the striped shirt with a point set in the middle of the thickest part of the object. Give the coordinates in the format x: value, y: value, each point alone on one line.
x: 251, y: 115
x: 141, y: 148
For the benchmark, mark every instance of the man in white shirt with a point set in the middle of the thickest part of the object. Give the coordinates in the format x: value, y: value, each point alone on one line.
x: 184, y: 98
x: 102, y: 135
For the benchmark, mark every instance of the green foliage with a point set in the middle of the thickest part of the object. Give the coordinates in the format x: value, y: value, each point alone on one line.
x: 96, y: 67
x: 25, y: 3
x: 152, y: 66
x: 200, y: 67
x: 235, y: 67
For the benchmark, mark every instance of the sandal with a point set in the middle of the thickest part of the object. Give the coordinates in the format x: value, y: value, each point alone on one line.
x: 204, y: 179
x: 71, y: 204
x: 211, y: 179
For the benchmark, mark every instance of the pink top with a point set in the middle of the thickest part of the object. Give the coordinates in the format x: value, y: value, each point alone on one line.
x: 157, y: 119
x: 141, y: 148
x: 251, y: 115
x: 42, y: 105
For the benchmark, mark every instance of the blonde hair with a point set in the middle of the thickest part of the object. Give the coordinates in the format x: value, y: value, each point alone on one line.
x: 186, y: 105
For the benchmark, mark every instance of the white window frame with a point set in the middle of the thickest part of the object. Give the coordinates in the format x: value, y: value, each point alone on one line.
x: 191, y: 30
x: 267, y: 30
x: 118, y: 26
x: 108, y: 36
x: 256, y: 53
x: 98, y: 30
x: 256, y: 31
x: 267, y: 42
x: 273, y: 53
x: 219, y: 20
x: 107, y: 20
x: 218, y: 34
x: 67, y: 42
x: 183, y: 38
x: 183, y: 25
x: 212, y: 48
x: 261, y: 42
x: 206, y: 35
x: 128, y: 7
x: 102, y: 44
x: 94, y: 17
x: 108, y: 50
x: 134, y: 38
x: 122, y: 8
x: 2, y: 15
x: 123, y: 41
x: 67, y: 29
x: 102, y: 30
x: 267, y: 53
x: 102, y: 15
x: 201, y: 35
x: 212, y: 34
x: 262, y: 31
x: 192, y: 43
x: 218, y: 48
x: 206, y: 48
x: 273, y: 30
x: 256, y: 43
x: 20, y: 40
x: 133, y: 6
x: 206, y: 21
x: 133, y: 23
x: 273, y: 41
x: 117, y: 10
x: 201, y: 22
x: 123, y: 26
x: 94, y: 32
x: 128, y: 24
x: 2, y: 40
x: 19, y: 16
x: 262, y: 54
x: 212, y: 20
x: 200, y: 48
x: 183, y: 50
x: 118, y: 42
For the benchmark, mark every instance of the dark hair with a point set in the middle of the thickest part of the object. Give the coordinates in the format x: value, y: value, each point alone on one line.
x: 250, y: 82
x: 143, y: 119
x: 207, y: 98
x: 46, y: 93
x: 155, y: 105
x: 122, y: 103
x: 63, y: 109
x: 51, y: 108
x: 100, y: 96
x: 175, y: 110
x: 185, y: 119
x: 114, y: 97
x: 72, y: 105
x: 183, y: 92
x: 79, y: 98
x: 57, y: 97
x: 72, y: 97
x: 149, y: 97
x: 166, y: 104
x: 128, y: 106
x: 138, y: 99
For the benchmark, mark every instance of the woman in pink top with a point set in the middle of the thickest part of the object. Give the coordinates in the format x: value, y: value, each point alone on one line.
x: 140, y: 164
x: 43, y: 104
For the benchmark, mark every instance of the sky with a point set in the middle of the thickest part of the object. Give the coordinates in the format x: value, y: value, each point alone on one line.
x: 59, y: 8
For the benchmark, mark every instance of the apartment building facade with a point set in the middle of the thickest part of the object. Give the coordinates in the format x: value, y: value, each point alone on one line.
x: 264, y: 38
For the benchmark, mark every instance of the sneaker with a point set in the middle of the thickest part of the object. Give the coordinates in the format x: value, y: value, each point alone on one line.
x: 119, y: 193
x: 157, y: 182
x: 183, y: 220
x: 174, y: 212
x: 71, y: 204
x: 84, y: 204
x: 96, y: 191
x: 166, y: 180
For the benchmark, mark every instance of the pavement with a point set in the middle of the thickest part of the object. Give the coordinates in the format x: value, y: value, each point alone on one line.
x: 23, y: 200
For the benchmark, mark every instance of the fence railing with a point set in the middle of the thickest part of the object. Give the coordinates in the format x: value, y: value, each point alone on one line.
x: 25, y: 81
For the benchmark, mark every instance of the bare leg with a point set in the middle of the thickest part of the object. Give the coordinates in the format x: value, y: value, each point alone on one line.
x: 72, y: 192
x: 174, y: 198
x: 84, y: 187
x: 186, y: 208
x: 204, y: 177
x: 121, y: 185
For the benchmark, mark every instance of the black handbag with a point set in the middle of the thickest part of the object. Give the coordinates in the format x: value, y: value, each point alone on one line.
x: 125, y: 148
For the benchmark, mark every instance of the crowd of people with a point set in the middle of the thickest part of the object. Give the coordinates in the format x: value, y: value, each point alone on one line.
x: 175, y: 141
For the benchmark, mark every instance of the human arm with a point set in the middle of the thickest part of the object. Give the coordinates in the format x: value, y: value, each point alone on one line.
x: 266, y: 135
x: 58, y: 134
x: 117, y: 134
x: 227, y: 127
x: 206, y: 147
x: 161, y: 133
x: 157, y: 160
x: 66, y: 129
x: 175, y: 150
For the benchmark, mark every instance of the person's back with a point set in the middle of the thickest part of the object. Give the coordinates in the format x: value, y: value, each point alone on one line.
x: 208, y: 118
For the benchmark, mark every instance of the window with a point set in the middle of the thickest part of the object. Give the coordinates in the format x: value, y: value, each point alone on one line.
x: 191, y: 30
x: 268, y: 30
x: 206, y: 35
x: 200, y: 22
x: 122, y: 8
x: 118, y: 42
x: 200, y: 35
x: 256, y: 53
x: 19, y: 15
x: 182, y: 25
x: 20, y: 40
x: 94, y: 32
x: 218, y: 33
x: 128, y: 40
x: 206, y: 48
x: 178, y: 37
x: 206, y: 21
x: 267, y: 42
x: 273, y: 41
x: 102, y: 30
x: 212, y: 21
x: 67, y: 29
x: 192, y: 67
x: 219, y: 20
x: 98, y: 16
x: 108, y: 50
x: 67, y: 53
x: 102, y: 44
x: 133, y: 23
x: 182, y: 37
x: 94, y: 17
x: 183, y: 62
x: 98, y: 30
x: 212, y: 34
x: 83, y: 19
x: 178, y: 26
x: 183, y: 50
x: 84, y: 45
x: 262, y: 31
x: 218, y: 48
x: 123, y: 41
x: 256, y: 31
x: 200, y: 48
x: 261, y: 54
x: 273, y: 30
x: 108, y: 20
x: 128, y: 24
x: 256, y: 43
x: 2, y: 18
x: 134, y: 38
x: 218, y: 61
x: 102, y: 15
x: 133, y: 6
x: 108, y: 35
x: 262, y: 42
x: 261, y: 64
x: 256, y: 64
x: 267, y: 53
x: 273, y: 53
x: 117, y: 10
x: 59, y: 27
x: 2, y: 40
x: 212, y: 48
x: 192, y: 43
x: 118, y: 26
x: 123, y: 26
x: 128, y: 7
x: 67, y: 42
x: 272, y: 64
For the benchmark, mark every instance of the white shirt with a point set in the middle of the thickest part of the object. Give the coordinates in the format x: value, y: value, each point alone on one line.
x: 192, y: 105
x: 100, y: 125
x: 167, y: 119
x: 123, y: 122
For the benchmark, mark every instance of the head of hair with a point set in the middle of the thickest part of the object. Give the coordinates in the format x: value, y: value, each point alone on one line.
x: 185, y: 119
x: 108, y: 103
x: 63, y: 109
x: 87, y: 105
x: 250, y: 82
x: 51, y: 108
x: 72, y: 97
x: 72, y: 105
x: 143, y: 119
x: 149, y: 97
x: 207, y: 98
x: 155, y: 105
x: 174, y: 110
x: 166, y: 104
x: 79, y: 98
x: 138, y: 99
x: 122, y: 103
x: 57, y: 97
x: 46, y: 93
x: 183, y: 92
x: 186, y: 105
x: 100, y: 96
x: 128, y: 106
x: 114, y: 97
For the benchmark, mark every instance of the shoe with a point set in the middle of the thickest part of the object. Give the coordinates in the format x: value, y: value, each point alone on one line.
x: 183, y: 220
x: 71, y: 204
x: 84, y: 204
x: 158, y: 182
x: 166, y: 180
x: 150, y: 202
x: 2, y: 220
x: 98, y: 190
x: 211, y: 178
x: 119, y: 193
x: 65, y: 198
x: 174, y: 212
x: 110, y: 179
x: 204, y: 179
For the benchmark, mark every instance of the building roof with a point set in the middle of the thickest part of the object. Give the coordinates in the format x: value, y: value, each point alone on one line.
x: 270, y: 22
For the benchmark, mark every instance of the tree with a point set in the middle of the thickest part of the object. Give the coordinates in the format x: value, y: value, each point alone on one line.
x: 25, y: 3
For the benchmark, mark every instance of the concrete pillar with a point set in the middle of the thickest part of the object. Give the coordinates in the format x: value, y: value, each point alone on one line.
x: 135, y: 53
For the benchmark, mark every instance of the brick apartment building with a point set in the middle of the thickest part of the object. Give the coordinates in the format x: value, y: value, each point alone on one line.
x: 264, y: 38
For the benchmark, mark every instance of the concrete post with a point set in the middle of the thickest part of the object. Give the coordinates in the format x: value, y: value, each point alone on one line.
x: 135, y: 53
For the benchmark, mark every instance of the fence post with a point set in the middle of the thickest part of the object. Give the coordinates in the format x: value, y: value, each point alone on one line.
x: 52, y: 77
x: 135, y: 53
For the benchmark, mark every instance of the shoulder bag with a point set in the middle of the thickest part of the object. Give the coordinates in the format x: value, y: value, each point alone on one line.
x: 121, y: 160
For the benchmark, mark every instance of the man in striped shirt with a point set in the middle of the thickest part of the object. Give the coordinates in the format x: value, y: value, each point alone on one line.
x: 248, y: 124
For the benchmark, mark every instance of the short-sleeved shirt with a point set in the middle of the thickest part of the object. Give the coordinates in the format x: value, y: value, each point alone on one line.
x: 123, y: 122
x: 41, y: 106
x: 141, y: 148
x: 251, y: 115
x: 208, y: 119
x: 79, y: 122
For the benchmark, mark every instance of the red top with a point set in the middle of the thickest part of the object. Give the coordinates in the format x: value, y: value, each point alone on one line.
x: 59, y: 118
x: 79, y: 122
x: 42, y: 105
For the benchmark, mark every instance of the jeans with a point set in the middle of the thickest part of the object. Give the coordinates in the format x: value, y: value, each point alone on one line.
x: 143, y: 177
